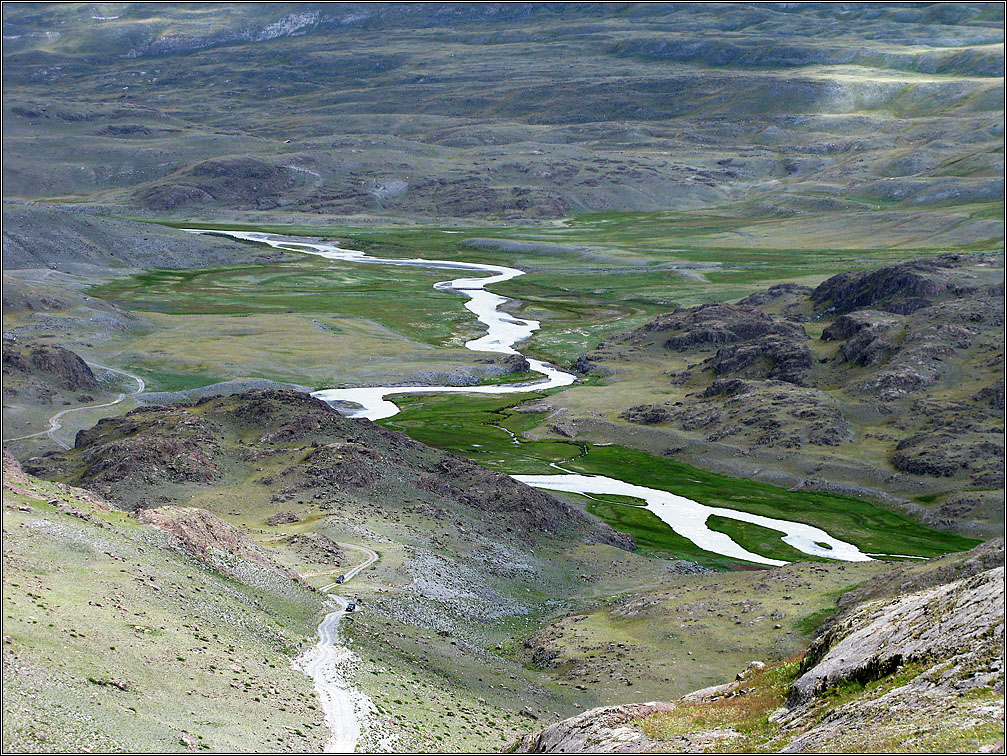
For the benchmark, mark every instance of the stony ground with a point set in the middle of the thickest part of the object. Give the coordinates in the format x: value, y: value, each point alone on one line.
x: 917, y: 671
x: 886, y: 383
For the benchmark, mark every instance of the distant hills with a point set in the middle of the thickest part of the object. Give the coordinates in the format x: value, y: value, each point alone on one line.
x: 526, y: 110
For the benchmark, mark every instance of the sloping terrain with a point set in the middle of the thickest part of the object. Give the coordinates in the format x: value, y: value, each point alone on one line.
x: 919, y: 669
x: 523, y: 111
x: 888, y: 380
x: 73, y: 240
x: 767, y: 236
x: 469, y: 558
x: 314, y: 454
x: 41, y: 371
x: 122, y: 636
x: 42, y: 382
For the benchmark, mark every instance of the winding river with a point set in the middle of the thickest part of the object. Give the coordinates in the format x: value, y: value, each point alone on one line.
x: 686, y: 517
x: 328, y: 662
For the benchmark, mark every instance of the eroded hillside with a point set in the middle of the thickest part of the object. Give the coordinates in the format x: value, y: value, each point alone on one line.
x: 517, y: 111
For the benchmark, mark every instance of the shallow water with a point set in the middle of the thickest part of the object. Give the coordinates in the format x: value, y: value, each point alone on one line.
x: 503, y: 333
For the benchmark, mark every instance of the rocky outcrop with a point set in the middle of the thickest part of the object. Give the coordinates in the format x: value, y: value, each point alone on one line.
x: 66, y: 367
x: 51, y: 363
x: 776, y: 356
x: 514, y: 363
x: 764, y: 413
x: 902, y: 288
x: 530, y: 508
x: 911, y: 577
x: 712, y: 324
x: 943, y: 454
x: 147, y: 456
x: 748, y: 342
x: 150, y: 445
x: 775, y: 293
x: 918, y: 653
x: 960, y: 621
x: 201, y: 534
x: 910, y: 362
x: 646, y: 414
x: 608, y: 729
x: 866, y: 335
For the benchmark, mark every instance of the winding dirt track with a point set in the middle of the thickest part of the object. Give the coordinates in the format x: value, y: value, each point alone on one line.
x: 344, y: 705
x: 54, y: 421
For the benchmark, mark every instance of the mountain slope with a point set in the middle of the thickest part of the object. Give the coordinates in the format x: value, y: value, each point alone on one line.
x: 118, y: 636
x: 523, y: 111
x: 885, y: 382
x: 915, y: 671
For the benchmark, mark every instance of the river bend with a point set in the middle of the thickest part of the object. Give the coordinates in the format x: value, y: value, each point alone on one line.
x: 503, y: 332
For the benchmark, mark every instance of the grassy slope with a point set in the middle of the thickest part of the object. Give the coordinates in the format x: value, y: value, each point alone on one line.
x: 677, y: 639
x: 201, y: 656
x: 577, y: 307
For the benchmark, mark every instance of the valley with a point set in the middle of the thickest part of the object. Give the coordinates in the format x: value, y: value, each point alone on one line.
x: 525, y: 377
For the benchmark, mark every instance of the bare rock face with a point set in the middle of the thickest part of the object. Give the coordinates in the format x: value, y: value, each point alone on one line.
x: 607, y: 729
x: 783, y: 357
x: 961, y: 620
x: 204, y: 535
x: 928, y: 636
x: 953, y: 632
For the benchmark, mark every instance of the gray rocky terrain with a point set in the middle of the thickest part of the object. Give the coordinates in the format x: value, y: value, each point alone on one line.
x: 896, y: 371
x: 921, y: 669
x: 90, y: 242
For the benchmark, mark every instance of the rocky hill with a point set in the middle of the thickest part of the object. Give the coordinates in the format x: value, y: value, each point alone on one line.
x: 41, y: 370
x: 277, y: 482
x: 314, y: 454
x: 40, y: 380
x: 890, y: 380
x: 87, y: 242
x: 919, y: 669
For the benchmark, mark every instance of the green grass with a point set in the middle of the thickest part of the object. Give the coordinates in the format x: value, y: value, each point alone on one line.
x: 867, y: 525
x: 577, y: 308
x: 465, y: 425
x: 811, y: 622
x: 764, y: 541
x: 100, y: 598
x: 653, y: 536
x: 747, y: 715
x: 402, y: 299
